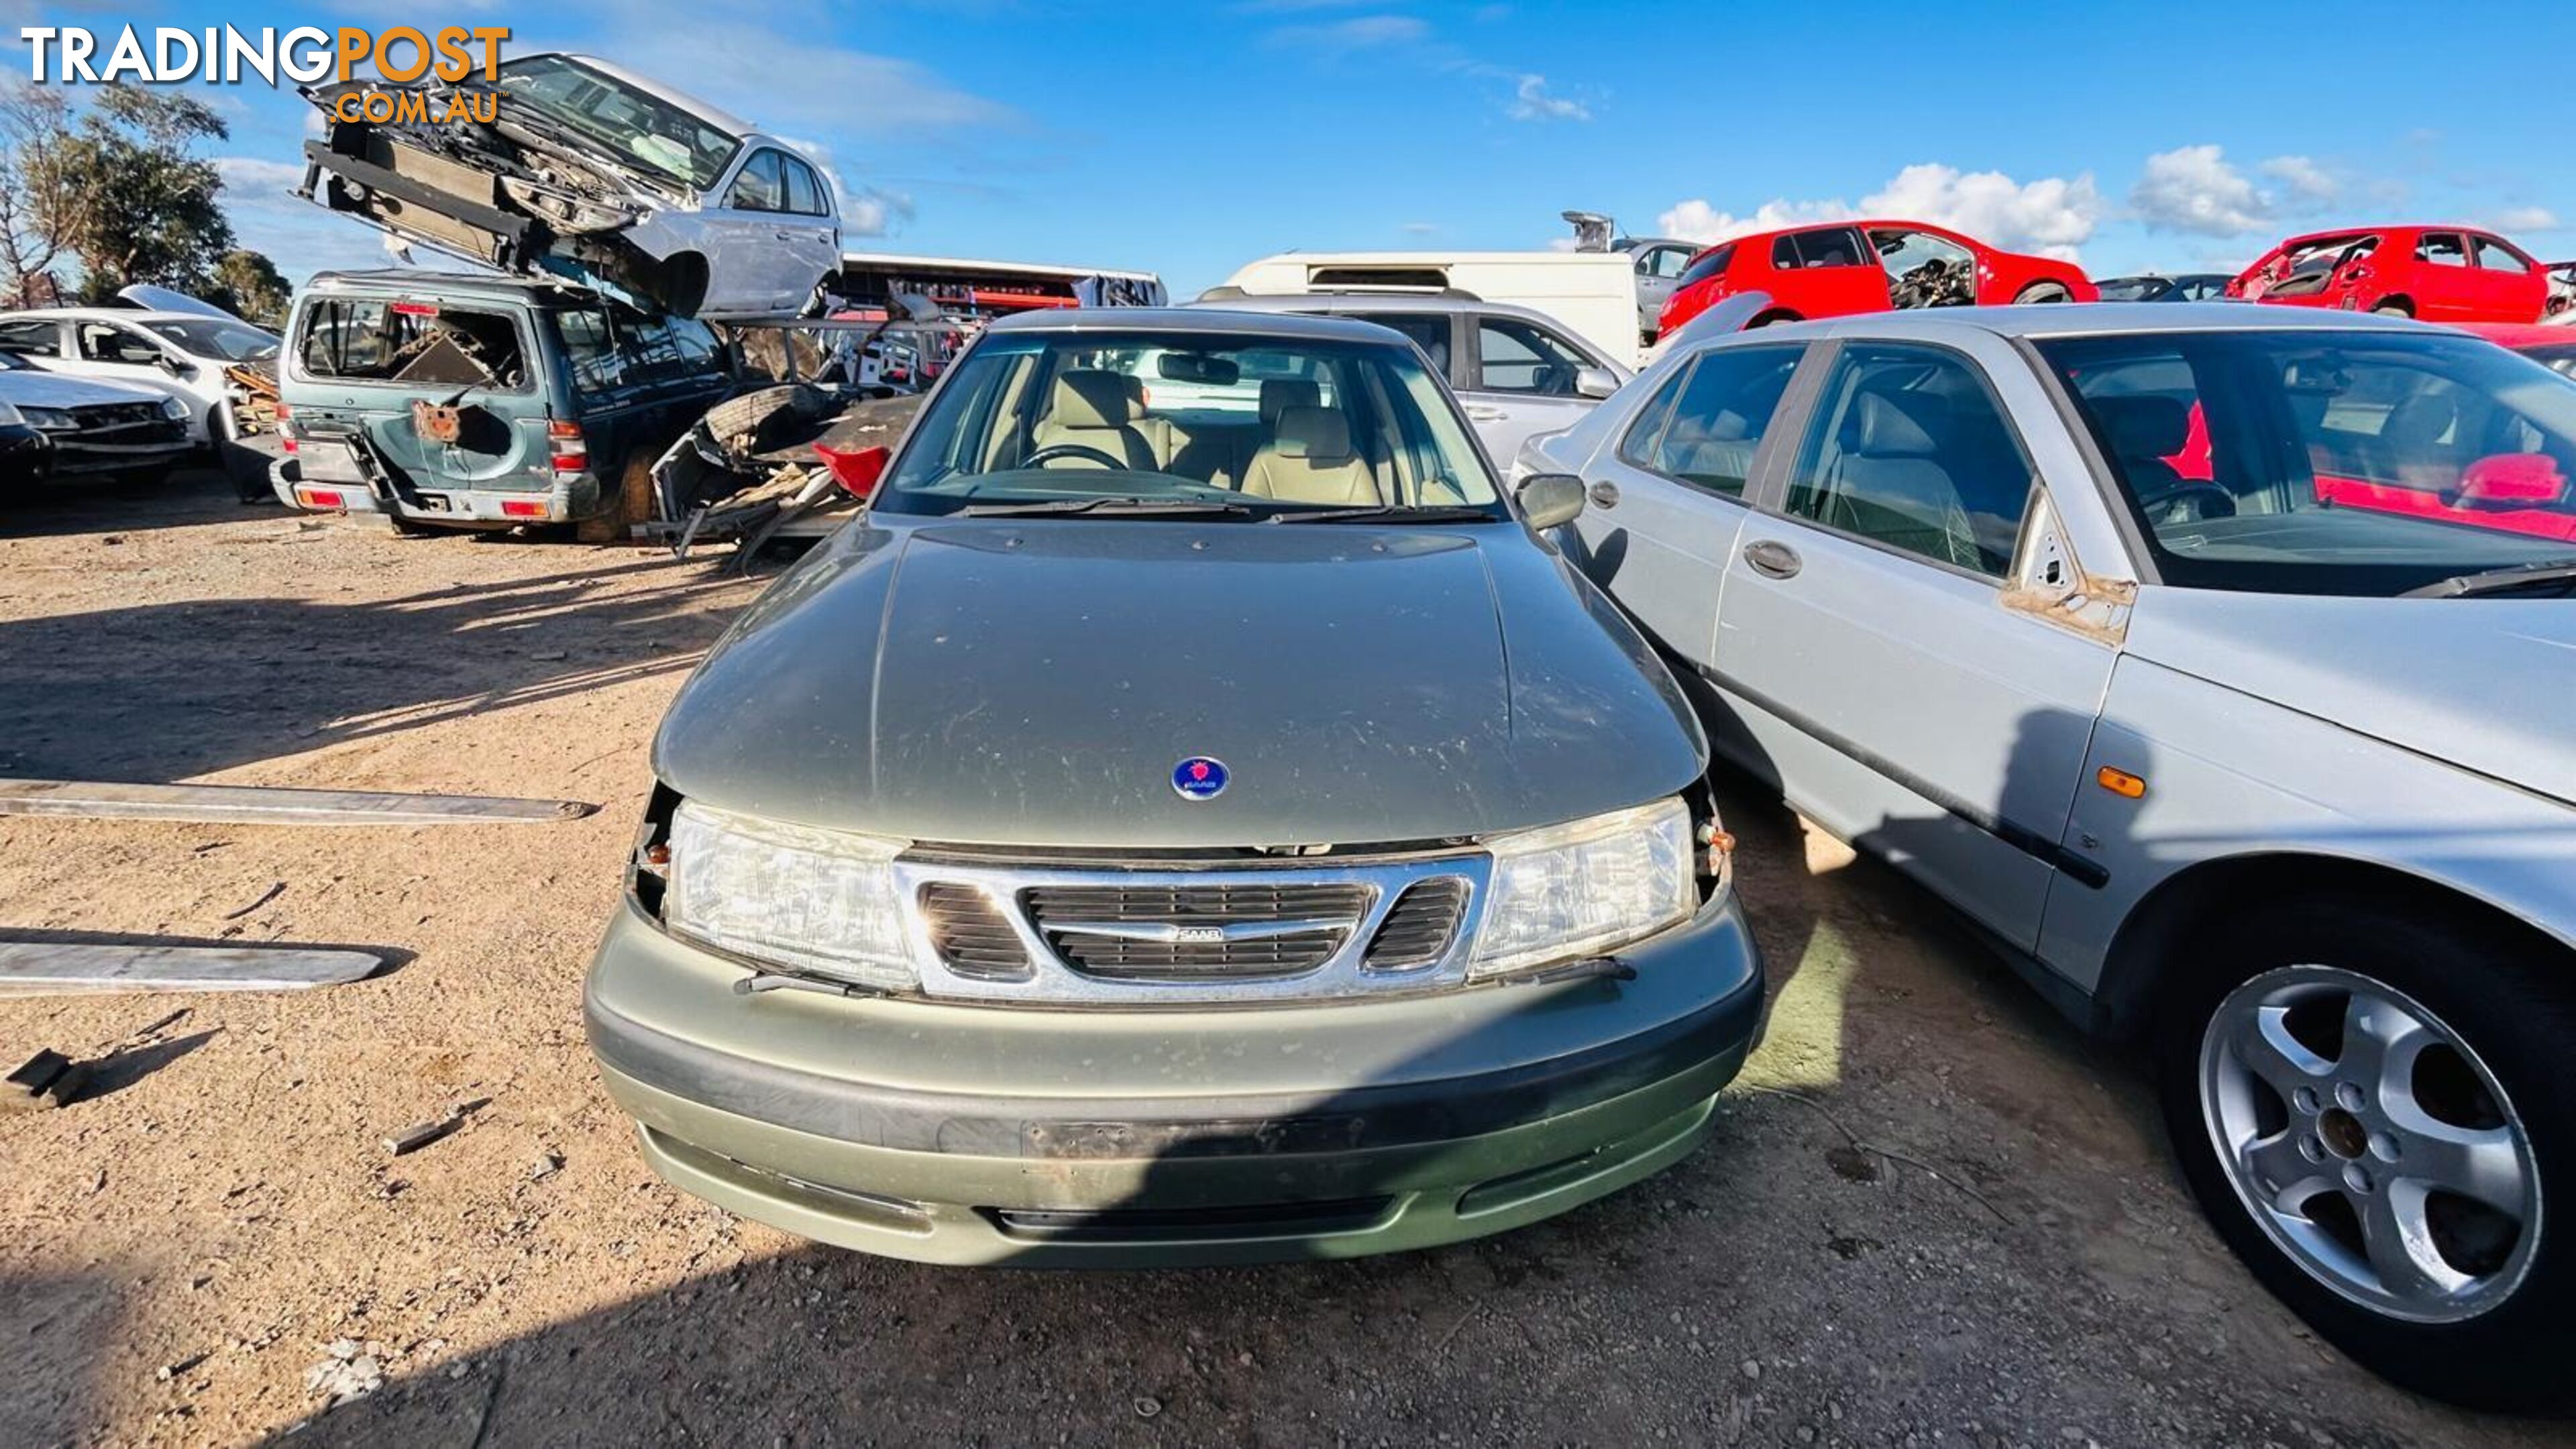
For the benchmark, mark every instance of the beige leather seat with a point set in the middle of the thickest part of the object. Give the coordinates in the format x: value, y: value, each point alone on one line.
x: 1309, y: 459
x: 1095, y: 408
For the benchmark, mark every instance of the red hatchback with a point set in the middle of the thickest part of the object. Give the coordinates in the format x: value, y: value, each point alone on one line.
x: 2437, y: 273
x: 1867, y: 266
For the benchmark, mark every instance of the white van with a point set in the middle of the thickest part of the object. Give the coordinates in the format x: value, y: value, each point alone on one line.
x: 1594, y: 294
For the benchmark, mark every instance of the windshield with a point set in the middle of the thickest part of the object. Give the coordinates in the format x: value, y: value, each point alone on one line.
x: 214, y: 337
x: 1264, y: 426
x: 2135, y: 289
x: 631, y: 124
x: 2343, y: 462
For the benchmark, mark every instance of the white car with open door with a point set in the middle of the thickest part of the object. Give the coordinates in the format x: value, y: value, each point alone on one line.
x: 591, y: 172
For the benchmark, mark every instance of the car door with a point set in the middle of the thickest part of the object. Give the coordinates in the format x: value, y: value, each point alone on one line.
x: 1829, y: 272
x: 2446, y: 287
x: 1867, y: 646
x: 2506, y: 283
x: 1521, y: 380
x: 809, y: 234
x: 747, y: 266
x: 1666, y: 493
x: 1659, y: 272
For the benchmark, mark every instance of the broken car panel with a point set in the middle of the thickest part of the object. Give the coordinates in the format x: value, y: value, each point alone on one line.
x: 594, y: 173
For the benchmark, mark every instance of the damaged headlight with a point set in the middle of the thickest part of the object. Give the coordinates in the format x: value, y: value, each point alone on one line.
x: 52, y: 420
x: 1584, y: 889
x: 172, y: 407
x: 819, y: 901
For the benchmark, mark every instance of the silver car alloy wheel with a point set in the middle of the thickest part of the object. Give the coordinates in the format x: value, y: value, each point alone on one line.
x: 2371, y: 1143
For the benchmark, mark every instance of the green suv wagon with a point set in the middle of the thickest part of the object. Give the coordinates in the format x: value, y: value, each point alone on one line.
x: 452, y: 401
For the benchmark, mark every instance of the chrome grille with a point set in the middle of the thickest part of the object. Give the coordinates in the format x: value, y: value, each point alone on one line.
x: 1256, y: 930
x: 1419, y: 926
x: 1190, y: 932
x: 971, y: 934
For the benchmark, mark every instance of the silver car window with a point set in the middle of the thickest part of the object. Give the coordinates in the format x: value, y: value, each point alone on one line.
x: 1909, y: 450
x: 1719, y: 418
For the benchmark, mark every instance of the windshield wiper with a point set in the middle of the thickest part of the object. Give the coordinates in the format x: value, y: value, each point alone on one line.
x: 1386, y: 512
x: 1123, y: 507
x: 2497, y: 581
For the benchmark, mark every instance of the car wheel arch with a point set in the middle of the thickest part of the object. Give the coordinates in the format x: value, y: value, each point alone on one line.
x: 1775, y: 315
x: 2399, y: 304
x: 2199, y: 898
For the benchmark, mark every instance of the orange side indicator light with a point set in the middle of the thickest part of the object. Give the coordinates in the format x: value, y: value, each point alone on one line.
x: 2121, y: 782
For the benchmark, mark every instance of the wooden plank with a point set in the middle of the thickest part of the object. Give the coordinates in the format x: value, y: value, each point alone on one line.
x: 266, y: 805
x: 55, y: 968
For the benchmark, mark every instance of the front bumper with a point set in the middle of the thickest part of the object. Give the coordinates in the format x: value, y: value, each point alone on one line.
x: 959, y: 1133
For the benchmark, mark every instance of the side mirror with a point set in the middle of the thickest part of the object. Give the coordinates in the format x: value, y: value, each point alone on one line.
x: 1550, y: 500
x: 858, y: 470
x: 1595, y: 382
x: 2512, y: 480
x: 176, y: 367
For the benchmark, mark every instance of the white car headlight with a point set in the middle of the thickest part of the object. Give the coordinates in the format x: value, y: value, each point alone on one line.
x: 52, y: 420
x: 812, y: 900
x: 1586, y: 888
x: 172, y: 407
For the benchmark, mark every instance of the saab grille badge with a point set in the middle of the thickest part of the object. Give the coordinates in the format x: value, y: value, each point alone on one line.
x: 1199, y: 778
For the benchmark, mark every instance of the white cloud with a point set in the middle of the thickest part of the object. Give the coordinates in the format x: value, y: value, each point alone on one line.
x: 2522, y: 218
x: 257, y: 176
x: 2306, y: 180
x: 2194, y: 189
x: 2052, y: 216
x: 1420, y: 228
x: 1531, y: 102
x: 1346, y: 37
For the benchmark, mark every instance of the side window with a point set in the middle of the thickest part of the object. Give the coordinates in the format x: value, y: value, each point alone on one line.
x: 1637, y: 449
x: 804, y: 190
x: 1909, y: 450
x: 1839, y: 247
x: 1517, y: 356
x: 2495, y: 256
x: 1784, y: 254
x: 762, y: 186
x: 1710, y: 265
x: 591, y: 349
x: 1668, y: 261
x: 41, y: 338
x: 1429, y: 331
x: 2442, y: 249
x: 1719, y: 419
x: 695, y: 341
x: 106, y: 342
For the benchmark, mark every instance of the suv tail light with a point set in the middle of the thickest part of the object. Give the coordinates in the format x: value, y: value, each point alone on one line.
x: 285, y: 427
x: 564, y: 441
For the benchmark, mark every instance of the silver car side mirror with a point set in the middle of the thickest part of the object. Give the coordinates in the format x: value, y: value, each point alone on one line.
x: 1595, y: 382
x: 1550, y: 500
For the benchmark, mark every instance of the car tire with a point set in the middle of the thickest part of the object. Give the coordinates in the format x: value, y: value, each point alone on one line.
x: 745, y: 426
x: 2042, y: 293
x: 2393, y: 309
x: 2334, y: 1192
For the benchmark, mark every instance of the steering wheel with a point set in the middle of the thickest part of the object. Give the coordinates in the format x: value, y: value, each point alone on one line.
x: 2207, y: 500
x: 1053, y: 451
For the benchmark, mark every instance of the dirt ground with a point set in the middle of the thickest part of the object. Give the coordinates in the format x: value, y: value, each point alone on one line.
x: 215, y: 1240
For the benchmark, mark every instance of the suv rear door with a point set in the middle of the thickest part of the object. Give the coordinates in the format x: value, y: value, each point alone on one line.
x: 358, y: 362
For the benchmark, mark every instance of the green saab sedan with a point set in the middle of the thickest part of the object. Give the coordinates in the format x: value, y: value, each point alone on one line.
x: 1191, y: 816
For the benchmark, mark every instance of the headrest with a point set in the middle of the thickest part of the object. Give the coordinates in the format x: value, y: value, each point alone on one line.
x: 1278, y: 394
x: 1884, y: 430
x: 2145, y: 427
x: 1092, y: 398
x: 1321, y: 435
x: 2421, y: 419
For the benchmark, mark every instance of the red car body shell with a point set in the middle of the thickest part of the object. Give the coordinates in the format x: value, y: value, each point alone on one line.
x: 1859, y: 282
x: 2366, y: 269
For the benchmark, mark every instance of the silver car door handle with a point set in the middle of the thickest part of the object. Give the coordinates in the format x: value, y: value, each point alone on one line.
x: 784, y: 235
x: 1605, y: 494
x: 1480, y: 414
x: 1772, y: 559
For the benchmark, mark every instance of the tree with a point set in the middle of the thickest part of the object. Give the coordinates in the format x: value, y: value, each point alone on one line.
x: 34, y: 123
x: 249, y: 286
x: 144, y: 209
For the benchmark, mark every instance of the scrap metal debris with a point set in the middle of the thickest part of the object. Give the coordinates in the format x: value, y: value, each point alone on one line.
x: 414, y: 1138
x: 58, y: 968
x: 47, y: 1079
x: 267, y: 805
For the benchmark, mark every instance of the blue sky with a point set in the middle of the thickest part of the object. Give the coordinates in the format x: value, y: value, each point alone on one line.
x: 1189, y: 138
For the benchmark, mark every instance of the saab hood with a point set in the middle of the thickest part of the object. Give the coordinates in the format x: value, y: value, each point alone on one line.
x: 1036, y: 682
x: 2483, y: 684
x: 33, y: 389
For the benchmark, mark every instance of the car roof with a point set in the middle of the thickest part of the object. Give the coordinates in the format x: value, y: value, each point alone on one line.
x: 2086, y: 319
x: 1211, y: 320
x: 420, y: 281
x: 111, y: 314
